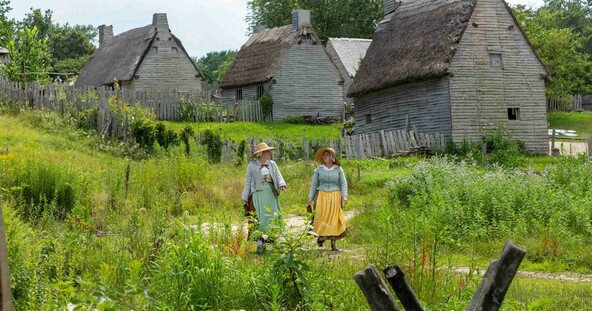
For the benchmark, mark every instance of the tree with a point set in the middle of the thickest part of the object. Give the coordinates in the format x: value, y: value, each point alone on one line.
x: 70, y: 47
x: 6, y: 25
x: 29, y: 55
x: 223, y: 68
x: 562, y: 50
x: 41, y: 20
x: 330, y: 18
x: 211, y: 64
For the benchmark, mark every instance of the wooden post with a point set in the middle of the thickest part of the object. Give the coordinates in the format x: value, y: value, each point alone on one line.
x: 377, y: 293
x: 589, y: 150
x: 496, y: 281
x: 126, y: 181
x: 396, y: 278
x: 5, y: 290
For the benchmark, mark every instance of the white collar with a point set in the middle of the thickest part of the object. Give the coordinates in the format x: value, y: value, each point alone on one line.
x: 328, y: 169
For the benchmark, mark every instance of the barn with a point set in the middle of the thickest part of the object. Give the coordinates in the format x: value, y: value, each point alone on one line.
x: 455, y: 67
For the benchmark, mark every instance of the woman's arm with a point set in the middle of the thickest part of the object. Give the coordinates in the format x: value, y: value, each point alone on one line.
x: 342, y: 183
x: 313, y: 186
x: 247, y: 188
x: 280, y: 179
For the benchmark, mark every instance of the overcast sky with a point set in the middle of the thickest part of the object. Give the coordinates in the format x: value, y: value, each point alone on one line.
x: 202, y: 25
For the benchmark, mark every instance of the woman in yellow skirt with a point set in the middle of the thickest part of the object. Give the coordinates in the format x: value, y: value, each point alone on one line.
x: 328, y: 193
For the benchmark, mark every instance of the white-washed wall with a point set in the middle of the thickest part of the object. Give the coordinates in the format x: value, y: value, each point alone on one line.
x: 307, y: 84
x: 167, y: 68
x: 480, y: 95
x: 425, y: 103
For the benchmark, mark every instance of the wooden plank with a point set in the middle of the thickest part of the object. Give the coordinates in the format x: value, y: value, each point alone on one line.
x: 396, y: 278
x: 497, y: 279
x: 377, y: 293
x: 5, y: 289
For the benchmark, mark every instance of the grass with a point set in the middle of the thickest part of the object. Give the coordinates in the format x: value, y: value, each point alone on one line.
x: 240, y: 130
x: 139, y: 246
x: 581, y: 122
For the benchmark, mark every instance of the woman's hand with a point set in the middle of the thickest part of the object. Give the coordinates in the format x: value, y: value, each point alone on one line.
x: 344, y: 199
x: 309, y: 202
x: 283, y: 188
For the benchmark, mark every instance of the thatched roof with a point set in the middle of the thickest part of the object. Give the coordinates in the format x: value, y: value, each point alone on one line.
x: 120, y: 57
x: 261, y: 56
x: 350, y: 52
x: 418, y: 43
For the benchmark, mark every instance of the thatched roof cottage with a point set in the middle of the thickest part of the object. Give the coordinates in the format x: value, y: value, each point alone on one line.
x: 145, y: 58
x: 347, y: 54
x: 457, y: 67
x: 290, y: 64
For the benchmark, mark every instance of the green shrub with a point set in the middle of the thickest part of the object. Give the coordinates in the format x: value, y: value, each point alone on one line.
x: 166, y: 137
x: 293, y: 120
x: 266, y: 106
x: 213, y: 144
x: 144, y: 132
x: 185, y: 135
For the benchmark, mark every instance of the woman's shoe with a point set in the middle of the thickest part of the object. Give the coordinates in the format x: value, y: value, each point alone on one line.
x: 320, y: 243
x: 334, y: 247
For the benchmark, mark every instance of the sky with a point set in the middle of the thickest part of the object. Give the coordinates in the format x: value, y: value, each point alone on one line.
x: 202, y: 25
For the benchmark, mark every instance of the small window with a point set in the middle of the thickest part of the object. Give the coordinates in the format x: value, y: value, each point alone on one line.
x: 495, y: 61
x: 239, y: 94
x: 260, y: 91
x: 175, y: 50
x: 513, y: 113
x: 368, y: 118
x: 154, y: 49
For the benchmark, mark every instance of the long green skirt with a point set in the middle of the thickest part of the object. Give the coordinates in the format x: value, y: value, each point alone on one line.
x: 267, y: 206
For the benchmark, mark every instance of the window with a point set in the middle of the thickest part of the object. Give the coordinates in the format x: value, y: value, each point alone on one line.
x: 154, y: 49
x: 260, y: 91
x: 368, y: 118
x: 175, y: 50
x: 495, y: 61
x: 513, y: 113
x: 239, y: 94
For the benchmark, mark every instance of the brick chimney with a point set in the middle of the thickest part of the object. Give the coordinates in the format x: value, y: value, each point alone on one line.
x: 161, y: 22
x: 299, y: 18
x: 105, y: 33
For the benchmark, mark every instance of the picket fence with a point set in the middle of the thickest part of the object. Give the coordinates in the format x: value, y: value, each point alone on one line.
x: 204, y: 106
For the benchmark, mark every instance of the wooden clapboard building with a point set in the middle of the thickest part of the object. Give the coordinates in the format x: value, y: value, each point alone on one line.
x: 290, y: 64
x: 456, y: 67
x: 140, y: 59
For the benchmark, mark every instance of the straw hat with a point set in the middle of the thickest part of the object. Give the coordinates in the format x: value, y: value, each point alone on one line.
x: 320, y: 152
x: 260, y: 148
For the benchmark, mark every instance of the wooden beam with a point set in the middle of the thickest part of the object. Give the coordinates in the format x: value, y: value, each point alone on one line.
x: 5, y: 290
x: 396, y: 279
x: 497, y: 279
x: 377, y: 293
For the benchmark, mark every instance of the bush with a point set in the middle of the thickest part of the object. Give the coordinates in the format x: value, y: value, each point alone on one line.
x: 293, y: 120
x: 213, y: 144
x: 266, y: 106
x: 185, y: 135
x: 144, y: 132
x: 166, y: 137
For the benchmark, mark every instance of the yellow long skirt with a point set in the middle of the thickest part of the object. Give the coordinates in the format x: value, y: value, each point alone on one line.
x: 329, y: 220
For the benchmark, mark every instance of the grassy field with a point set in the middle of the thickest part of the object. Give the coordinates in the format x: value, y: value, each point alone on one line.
x: 80, y: 234
x: 581, y: 122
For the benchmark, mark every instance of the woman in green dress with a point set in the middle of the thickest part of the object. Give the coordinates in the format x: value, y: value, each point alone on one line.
x: 263, y: 184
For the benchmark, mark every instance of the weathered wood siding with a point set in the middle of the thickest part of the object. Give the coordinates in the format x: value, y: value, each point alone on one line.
x: 347, y: 80
x: 480, y: 95
x: 307, y: 84
x: 249, y: 92
x: 426, y: 103
x: 166, y: 69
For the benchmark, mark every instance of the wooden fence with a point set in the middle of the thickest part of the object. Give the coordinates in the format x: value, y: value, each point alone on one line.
x: 355, y: 147
x: 574, y: 103
x: 202, y: 106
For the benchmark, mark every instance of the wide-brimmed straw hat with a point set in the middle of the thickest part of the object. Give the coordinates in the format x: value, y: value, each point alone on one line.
x: 320, y: 152
x: 260, y: 148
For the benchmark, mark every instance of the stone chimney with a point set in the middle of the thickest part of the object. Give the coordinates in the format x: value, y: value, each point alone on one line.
x: 105, y: 33
x: 299, y: 18
x: 160, y: 21
x: 259, y: 28
x: 389, y: 9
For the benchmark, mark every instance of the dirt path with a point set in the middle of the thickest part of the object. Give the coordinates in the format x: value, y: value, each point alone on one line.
x: 555, y: 276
